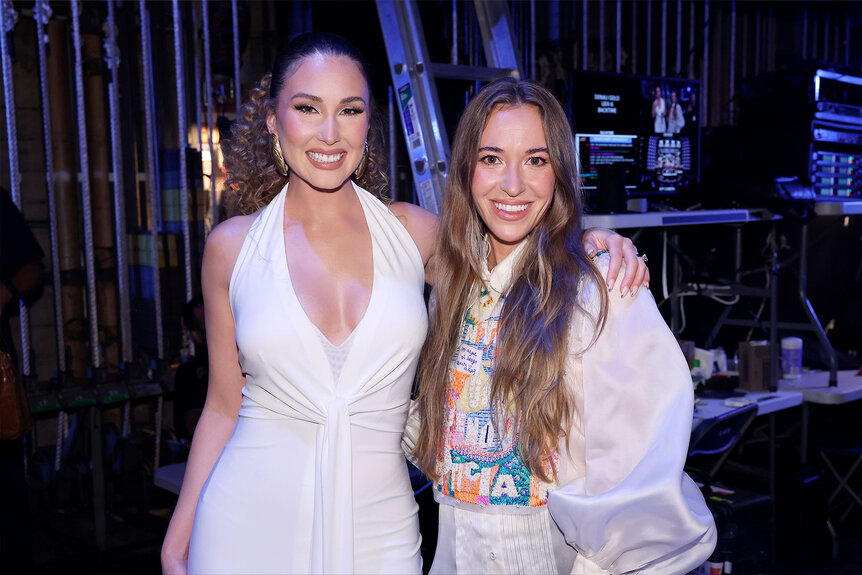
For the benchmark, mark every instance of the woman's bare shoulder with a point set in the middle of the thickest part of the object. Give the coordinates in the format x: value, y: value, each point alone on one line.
x: 421, y: 224
x: 225, y: 241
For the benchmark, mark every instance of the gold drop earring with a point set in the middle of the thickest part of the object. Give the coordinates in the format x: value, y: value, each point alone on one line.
x: 277, y: 157
x: 363, y: 163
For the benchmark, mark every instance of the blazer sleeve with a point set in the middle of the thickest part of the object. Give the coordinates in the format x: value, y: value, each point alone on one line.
x: 634, y: 510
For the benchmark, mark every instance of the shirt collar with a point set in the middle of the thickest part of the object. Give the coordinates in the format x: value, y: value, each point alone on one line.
x: 500, y: 279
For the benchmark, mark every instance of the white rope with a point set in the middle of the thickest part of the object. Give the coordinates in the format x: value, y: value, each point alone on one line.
x: 112, y: 57
x: 89, y: 259
x: 152, y: 173
x: 208, y: 79
x: 9, y: 19
x: 42, y: 15
x: 183, y: 133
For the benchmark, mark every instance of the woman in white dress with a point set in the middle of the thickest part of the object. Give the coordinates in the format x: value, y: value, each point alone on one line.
x: 659, y: 112
x: 675, y: 117
x: 315, y: 318
x: 557, y: 433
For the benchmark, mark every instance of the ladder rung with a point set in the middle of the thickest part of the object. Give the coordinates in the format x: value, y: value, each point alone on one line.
x: 480, y: 73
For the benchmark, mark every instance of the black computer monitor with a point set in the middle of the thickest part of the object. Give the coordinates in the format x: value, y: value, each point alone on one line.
x: 648, y: 126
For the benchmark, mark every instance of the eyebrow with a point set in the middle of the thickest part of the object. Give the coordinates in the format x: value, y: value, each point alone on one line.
x: 498, y: 150
x: 314, y: 98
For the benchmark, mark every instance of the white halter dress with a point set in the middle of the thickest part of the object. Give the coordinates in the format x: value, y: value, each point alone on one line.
x: 313, y: 479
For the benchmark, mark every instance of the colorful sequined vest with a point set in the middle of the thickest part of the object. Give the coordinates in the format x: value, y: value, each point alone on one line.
x: 481, y: 463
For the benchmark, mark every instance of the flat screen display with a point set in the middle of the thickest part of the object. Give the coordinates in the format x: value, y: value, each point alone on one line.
x: 649, y: 124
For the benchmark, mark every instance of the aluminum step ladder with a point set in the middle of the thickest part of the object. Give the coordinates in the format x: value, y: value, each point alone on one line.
x: 414, y: 79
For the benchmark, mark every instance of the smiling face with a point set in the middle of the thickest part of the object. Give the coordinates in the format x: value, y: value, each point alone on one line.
x: 322, y: 118
x: 513, y: 180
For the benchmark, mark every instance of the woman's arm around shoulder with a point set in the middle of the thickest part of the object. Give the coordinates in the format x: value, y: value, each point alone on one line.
x: 630, y: 507
x: 224, y: 391
x: 423, y: 227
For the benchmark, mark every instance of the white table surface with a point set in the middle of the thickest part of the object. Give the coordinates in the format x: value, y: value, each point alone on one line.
x: 814, y: 386
x: 767, y: 402
x: 661, y: 219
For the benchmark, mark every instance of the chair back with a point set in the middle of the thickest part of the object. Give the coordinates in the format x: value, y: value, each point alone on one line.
x: 719, y: 435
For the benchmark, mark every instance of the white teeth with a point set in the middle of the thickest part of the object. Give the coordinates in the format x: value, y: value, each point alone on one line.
x: 509, y: 208
x: 325, y: 158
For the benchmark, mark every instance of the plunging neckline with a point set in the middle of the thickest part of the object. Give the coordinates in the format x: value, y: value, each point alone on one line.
x: 295, y: 295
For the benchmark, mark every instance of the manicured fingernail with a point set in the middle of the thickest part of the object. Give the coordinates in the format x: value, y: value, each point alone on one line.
x: 611, y: 285
x: 624, y: 291
x: 635, y: 291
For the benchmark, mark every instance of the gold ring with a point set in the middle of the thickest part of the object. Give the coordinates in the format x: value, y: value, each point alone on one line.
x: 644, y: 258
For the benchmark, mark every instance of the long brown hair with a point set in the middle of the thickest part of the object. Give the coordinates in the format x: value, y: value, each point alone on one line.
x: 252, y: 180
x: 532, y: 340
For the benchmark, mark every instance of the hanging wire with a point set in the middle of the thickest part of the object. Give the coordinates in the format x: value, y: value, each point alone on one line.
x: 92, y: 310
x: 208, y: 79
x: 183, y: 133
x: 112, y: 57
x: 9, y: 18
x: 152, y: 173
x: 42, y: 15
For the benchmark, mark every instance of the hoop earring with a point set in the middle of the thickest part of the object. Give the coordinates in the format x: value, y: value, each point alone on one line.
x: 277, y: 157
x: 363, y: 163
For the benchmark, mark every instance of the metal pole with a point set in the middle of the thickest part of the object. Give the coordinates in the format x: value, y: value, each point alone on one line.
x: 152, y: 173
x: 732, y: 79
x: 453, y: 55
x: 92, y: 310
x: 9, y: 18
x: 826, y: 18
x: 705, y: 74
x: 770, y: 39
x: 533, y: 39
x: 183, y: 142
x: 601, y: 36
x: 237, y: 92
x: 744, y: 59
x: 814, y: 30
x: 634, y: 37
x: 664, y: 37
x: 197, y: 77
x: 208, y: 80
x: 619, y: 43
x: 112, y: 55
x: 757, y: 25
x: 678, y: 69
x: 649, y: 37
x: 692, y: 7
x: 42, y: 14
x: 585, y: 38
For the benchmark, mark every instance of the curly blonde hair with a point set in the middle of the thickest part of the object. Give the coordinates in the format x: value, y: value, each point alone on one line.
x: 252, y: 180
